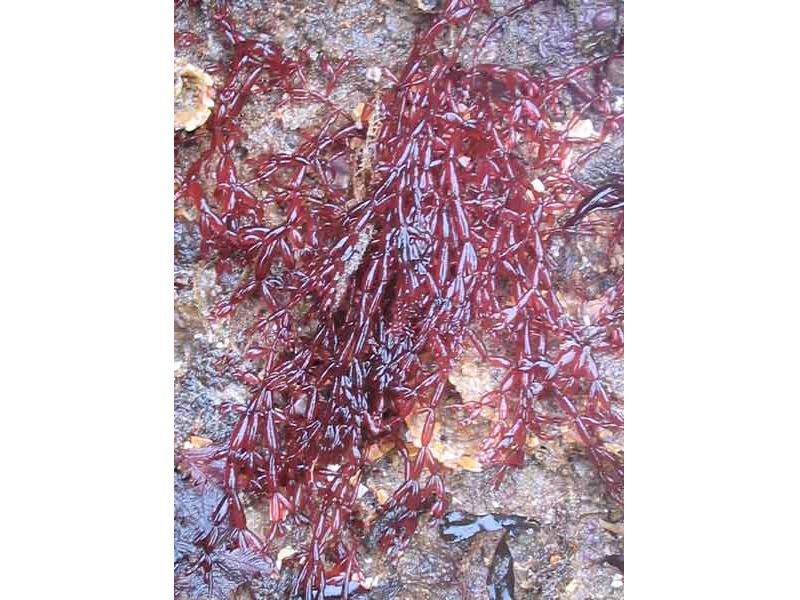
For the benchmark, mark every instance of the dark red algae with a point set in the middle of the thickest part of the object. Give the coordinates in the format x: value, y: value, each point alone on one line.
x: 367, y: 295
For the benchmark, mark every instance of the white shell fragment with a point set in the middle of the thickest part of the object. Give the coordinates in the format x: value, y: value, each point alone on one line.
x: 194, y: 96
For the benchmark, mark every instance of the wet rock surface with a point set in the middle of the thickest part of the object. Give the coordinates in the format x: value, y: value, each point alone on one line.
x: 567, y: 556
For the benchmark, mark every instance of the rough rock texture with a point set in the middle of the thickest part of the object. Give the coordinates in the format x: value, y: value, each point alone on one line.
x: 567, y: 557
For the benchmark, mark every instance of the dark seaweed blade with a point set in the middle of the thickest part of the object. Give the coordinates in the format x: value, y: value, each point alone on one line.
x: 500, y: 582
x: 608, y: 198
x: 458, y: 526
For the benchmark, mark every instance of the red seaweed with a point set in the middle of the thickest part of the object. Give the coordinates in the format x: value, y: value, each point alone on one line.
x: 369, y: 293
